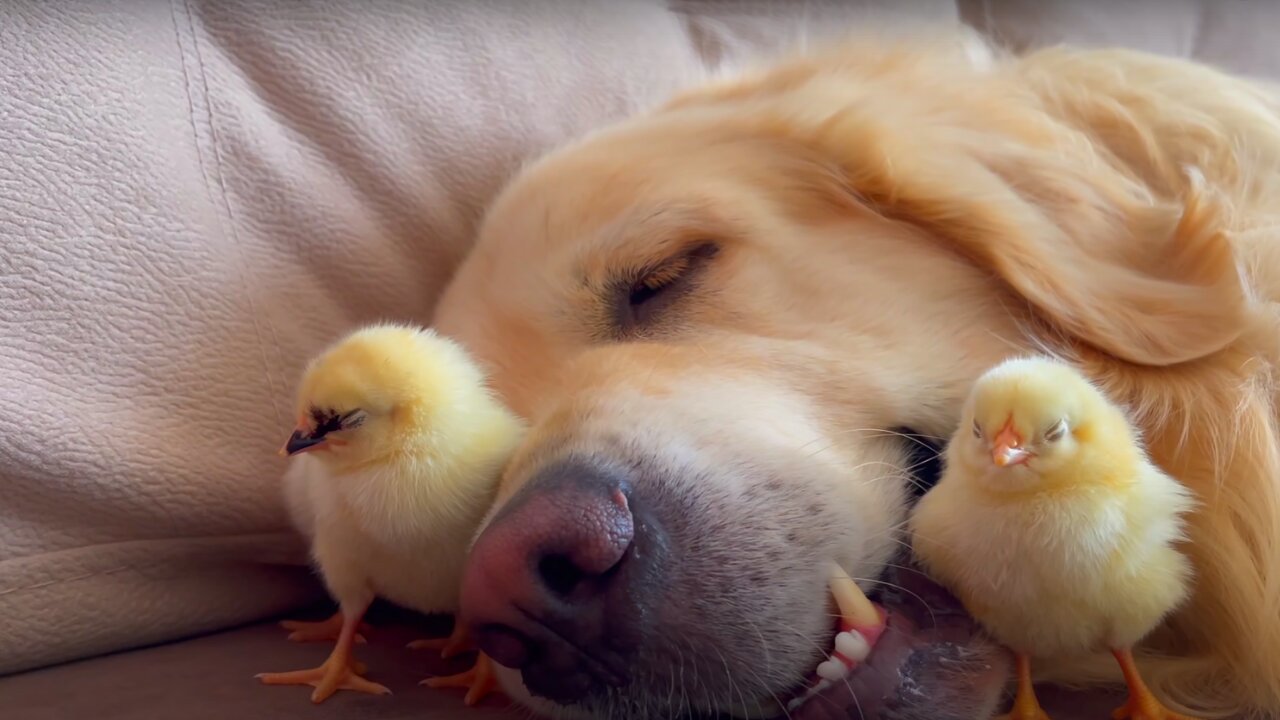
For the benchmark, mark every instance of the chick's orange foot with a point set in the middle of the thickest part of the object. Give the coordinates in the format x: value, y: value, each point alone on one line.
x: 1025, y: 704
x: 479, y: 681
x: 458, y: 642
x: 1142, y: 704
x: 323, y: 631
x: 334, y: 675
x: 1136, y: 709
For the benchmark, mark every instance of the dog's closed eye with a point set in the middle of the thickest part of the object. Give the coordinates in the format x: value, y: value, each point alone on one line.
x: 643, y: 297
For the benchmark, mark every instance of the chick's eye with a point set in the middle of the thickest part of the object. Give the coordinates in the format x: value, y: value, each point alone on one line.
x: 352, y: 420
x: 325, y: 421
x: 1056, y: 432
x: 977, y: 430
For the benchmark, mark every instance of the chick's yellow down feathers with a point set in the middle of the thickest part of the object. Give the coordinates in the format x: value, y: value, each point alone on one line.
x: 396, y: 457
x: 1052, y: 525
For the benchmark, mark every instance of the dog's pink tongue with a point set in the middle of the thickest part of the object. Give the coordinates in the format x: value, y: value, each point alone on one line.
x: 932, y: 663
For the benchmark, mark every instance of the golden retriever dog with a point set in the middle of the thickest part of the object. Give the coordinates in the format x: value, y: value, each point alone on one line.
x: 720, y: 316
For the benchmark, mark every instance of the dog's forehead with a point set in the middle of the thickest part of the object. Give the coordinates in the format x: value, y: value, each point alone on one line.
x: 577, y: 205
x: 642, y: 171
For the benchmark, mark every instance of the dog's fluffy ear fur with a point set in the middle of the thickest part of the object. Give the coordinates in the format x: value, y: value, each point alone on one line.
x: 980, y: 164
x: 1151, y: 281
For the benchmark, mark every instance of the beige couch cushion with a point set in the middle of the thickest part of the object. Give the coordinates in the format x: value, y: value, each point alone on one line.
x: 196, y: 195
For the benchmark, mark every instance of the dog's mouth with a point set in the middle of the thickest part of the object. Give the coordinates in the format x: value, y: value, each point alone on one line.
x: 933, y: 660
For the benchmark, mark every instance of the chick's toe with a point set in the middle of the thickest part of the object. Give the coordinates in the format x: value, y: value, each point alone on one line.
x: 327, y: 679
x: 479, y: 681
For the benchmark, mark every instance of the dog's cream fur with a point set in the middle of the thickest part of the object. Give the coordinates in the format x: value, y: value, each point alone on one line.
x: 893, y: 219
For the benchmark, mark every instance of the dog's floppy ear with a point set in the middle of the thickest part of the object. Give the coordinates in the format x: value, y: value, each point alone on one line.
x: 1150, y: 281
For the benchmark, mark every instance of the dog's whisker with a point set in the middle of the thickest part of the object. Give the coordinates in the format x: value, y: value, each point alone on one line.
x: 913, y: 437
x: 917, y: 438
x: 819, y: 647
x: 732, y: 683
x: 764, y: 644
x: 933, y: 618
x: 908, y: 469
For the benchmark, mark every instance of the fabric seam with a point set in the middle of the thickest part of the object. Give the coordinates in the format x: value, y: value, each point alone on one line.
x: 214, y: 169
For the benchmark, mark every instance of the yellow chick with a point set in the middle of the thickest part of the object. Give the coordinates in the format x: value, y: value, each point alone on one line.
x: 1053, y: 527
x: 397, y: 454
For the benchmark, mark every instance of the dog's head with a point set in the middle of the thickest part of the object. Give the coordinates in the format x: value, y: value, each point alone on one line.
x: 714, y: 315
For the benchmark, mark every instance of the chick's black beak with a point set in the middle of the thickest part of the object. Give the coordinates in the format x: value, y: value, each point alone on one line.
x: 306, y: 438
x: 301, y: 441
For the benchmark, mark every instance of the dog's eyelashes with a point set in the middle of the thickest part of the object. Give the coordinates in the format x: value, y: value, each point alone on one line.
x: 647, y: 298
x: 659, y: 286
x: 647, y: 289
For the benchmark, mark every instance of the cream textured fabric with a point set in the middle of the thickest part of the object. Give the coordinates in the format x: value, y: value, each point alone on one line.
x: 197, y: 194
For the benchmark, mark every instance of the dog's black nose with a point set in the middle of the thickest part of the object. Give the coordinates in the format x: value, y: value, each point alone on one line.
x: 555, y: 582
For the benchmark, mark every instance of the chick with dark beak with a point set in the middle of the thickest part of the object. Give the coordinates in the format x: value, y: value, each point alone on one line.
x: 303, y: 440
x: 1006, y: 447
x: 306, y: 438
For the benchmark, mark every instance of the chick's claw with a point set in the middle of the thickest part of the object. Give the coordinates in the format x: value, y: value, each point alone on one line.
x: 479, y: 681
x: 327, y: 679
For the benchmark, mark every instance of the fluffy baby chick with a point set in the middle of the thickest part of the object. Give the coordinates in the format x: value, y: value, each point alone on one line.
x: 1053, y: 527
x: 396, y: 458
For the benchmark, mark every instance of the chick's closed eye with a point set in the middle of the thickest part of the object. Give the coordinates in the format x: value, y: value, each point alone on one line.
x: 1057, y: 432
x: 327, y: 421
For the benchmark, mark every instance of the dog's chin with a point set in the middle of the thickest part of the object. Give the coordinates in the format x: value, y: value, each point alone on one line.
x: 932, y: 663
x: 512, y: 685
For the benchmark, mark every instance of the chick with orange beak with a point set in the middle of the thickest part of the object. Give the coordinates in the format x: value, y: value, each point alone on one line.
x: 1054, y: 527
x: 1007, y: 446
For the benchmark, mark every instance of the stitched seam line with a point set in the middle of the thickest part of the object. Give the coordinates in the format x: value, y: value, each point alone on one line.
x: 221, y: 192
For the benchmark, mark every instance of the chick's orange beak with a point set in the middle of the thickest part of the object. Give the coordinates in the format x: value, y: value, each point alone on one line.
x: 1006, y: 447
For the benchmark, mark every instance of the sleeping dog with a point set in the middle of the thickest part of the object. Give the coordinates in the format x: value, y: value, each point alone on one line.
x: 720, y: 315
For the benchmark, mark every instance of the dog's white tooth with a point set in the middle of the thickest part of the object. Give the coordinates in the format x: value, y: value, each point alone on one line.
x: 853, y: 646
x: 832, y: 670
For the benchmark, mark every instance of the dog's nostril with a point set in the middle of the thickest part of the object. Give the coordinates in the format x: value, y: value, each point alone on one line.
x: 548, y: 589
x: 559, y: 574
